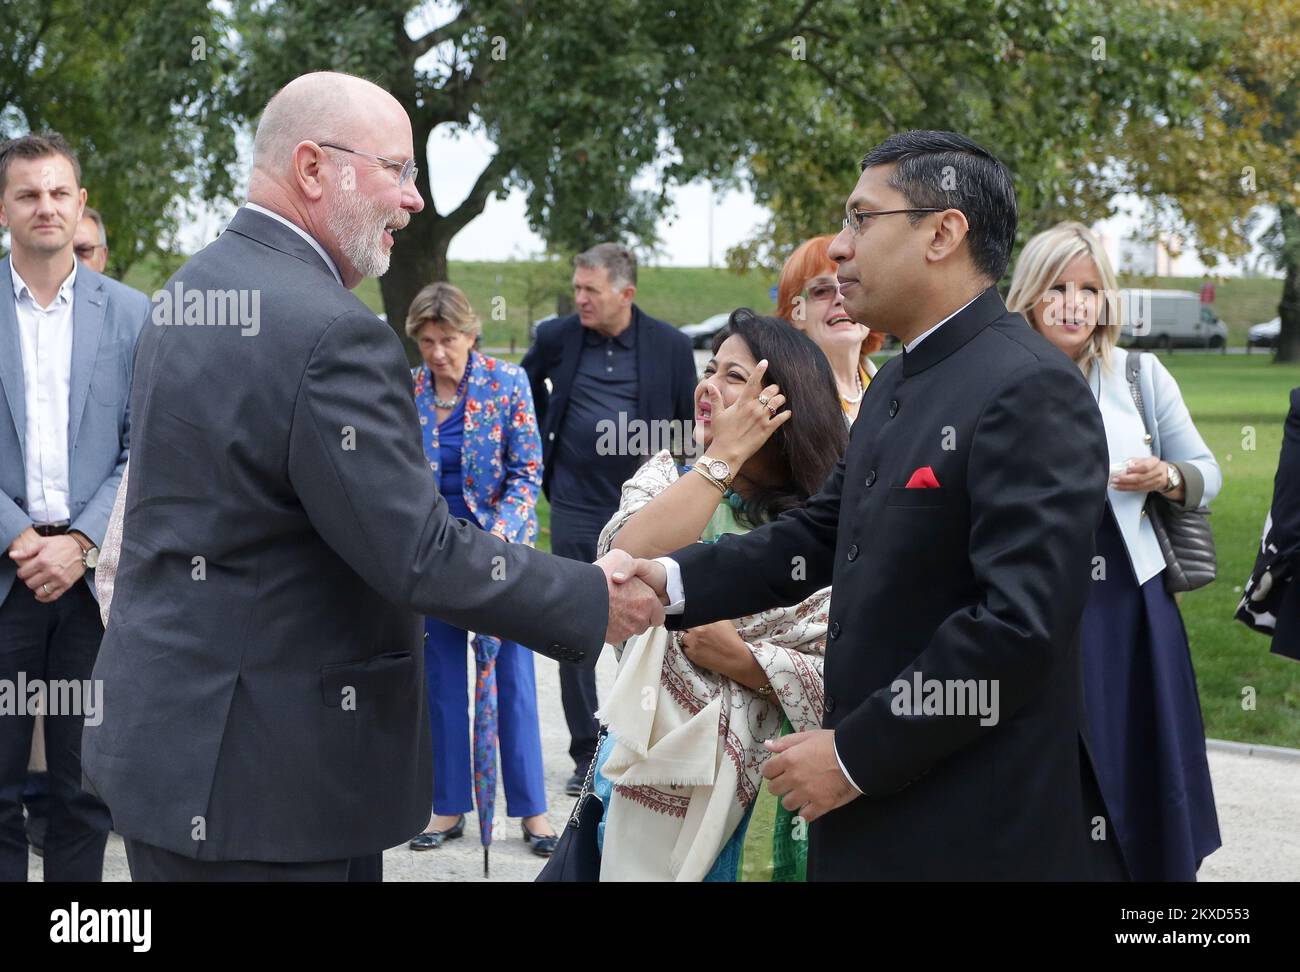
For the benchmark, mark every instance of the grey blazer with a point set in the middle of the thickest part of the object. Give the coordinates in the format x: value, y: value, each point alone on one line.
x: 264, y: 693
x: 106, y: 320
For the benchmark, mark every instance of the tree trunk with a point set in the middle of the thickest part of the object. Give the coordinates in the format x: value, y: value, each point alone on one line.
x: 419, y: 259
x: 1288, y: 341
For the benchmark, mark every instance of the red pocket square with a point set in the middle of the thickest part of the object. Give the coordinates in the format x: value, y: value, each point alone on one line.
x: 923, y: 478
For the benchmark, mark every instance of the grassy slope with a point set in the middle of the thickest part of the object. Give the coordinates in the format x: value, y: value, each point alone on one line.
x: 1229, y: 398
x: 685, y: 295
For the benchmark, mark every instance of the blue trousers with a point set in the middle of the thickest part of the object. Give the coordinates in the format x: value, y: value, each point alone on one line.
x: 446, y: 666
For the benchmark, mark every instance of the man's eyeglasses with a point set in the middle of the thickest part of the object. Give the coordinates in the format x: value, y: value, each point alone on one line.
x: 405, y: 170
x: 86, y: 250
x: 856, y: 217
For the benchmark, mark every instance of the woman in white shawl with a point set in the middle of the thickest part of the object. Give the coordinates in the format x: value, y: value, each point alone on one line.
x: 680, y: 769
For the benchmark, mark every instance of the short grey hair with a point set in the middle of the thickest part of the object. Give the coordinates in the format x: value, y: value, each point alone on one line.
x: 93, y: 214
x: 616, y: 259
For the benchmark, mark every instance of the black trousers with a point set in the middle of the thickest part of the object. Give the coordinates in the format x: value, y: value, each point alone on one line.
x: 575, y: 537
x: 150, y: 863
x: 49, y: 642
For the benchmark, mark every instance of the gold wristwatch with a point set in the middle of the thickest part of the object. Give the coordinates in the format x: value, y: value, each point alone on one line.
x: 715, y: 471
x: 1175, y: 478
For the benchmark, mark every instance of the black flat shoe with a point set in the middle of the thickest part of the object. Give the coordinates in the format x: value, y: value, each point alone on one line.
x: 432, y: 839
x: 574, y: 785
x: 543, y: 846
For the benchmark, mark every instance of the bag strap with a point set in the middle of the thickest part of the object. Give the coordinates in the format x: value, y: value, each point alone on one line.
x: 1133, y: 369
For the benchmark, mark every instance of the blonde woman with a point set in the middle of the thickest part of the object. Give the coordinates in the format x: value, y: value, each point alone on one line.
x: 1144, y: 716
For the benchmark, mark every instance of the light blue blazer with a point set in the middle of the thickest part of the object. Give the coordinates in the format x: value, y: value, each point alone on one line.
x: 106, y: 320
x: 1174, y: 439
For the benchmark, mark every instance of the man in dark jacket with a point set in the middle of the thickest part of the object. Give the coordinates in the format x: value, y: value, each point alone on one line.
x: 957, y: 535
x: 621, y: 387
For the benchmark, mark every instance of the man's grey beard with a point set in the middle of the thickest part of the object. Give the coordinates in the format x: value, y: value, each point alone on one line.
x: 358, y: 224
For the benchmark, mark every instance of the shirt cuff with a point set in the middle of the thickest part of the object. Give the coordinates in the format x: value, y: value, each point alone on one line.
x: 673, y: 586
x: 844, y: 769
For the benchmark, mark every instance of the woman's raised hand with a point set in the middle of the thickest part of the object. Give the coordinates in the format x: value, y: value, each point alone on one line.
x: 741, y: 429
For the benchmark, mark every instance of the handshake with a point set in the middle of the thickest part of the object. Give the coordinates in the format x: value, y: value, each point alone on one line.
x: 638, y: 591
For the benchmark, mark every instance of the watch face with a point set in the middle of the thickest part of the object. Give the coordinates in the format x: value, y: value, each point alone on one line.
x: 92, y: 558
x: 719, y: 469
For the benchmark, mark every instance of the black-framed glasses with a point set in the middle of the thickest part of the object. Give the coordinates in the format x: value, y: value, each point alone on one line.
x: 87, y: 249
x: 856, y: 217
x: 405, y: 170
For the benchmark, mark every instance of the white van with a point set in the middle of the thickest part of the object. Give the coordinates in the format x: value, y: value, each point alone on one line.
x: 1169, y: 319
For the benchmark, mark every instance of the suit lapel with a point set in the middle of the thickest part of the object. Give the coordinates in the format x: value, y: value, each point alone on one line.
x: 570, y: 353
x: 11, y: 356
x: 646, y: 382
x: 88, y: 307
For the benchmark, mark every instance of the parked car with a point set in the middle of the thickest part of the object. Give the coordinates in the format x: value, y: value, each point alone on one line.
x: 1264, y: 335
x: 701, y: 334
x: 532, y: 328
x: 1169, y: 319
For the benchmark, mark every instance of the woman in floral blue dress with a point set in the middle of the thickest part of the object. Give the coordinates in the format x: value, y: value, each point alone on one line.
x: 481, y: 440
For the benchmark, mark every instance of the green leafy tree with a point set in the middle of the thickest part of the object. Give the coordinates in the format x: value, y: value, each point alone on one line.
x: 1051, y: 88
x: 140, y: 88
x: 580, y: 99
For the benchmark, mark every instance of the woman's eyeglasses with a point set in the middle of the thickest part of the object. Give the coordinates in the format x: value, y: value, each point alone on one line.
x: 823, y: 291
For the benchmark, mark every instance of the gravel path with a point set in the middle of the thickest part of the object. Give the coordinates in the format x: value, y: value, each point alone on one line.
x: 1257, y: 791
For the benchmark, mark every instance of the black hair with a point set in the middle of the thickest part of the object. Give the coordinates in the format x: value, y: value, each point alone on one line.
x: 814, y: 438
x: 944, y: 170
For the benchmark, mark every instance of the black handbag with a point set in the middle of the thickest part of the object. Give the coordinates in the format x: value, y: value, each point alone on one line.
x: 1185, y: 537
x: 577, y: 855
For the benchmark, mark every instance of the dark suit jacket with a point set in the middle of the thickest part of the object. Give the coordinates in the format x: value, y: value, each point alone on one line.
x: 1285, y: 534
x: 665, y: 365
x: 262, y: 668
x: 983, y: 578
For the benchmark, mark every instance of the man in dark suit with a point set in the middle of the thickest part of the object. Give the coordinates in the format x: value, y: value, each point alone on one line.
x: 622, y: 387
x: 66, y: 337
x: 957, y: 534
x: 266, y: 715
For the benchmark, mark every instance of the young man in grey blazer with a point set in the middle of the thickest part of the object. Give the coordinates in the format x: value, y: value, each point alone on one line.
x: 67, y: 335
x: 283, y: 534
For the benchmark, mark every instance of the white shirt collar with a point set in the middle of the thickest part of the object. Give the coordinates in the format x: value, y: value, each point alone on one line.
x: 301, y: 232
x: 65, y: 288
x: 911, y: 345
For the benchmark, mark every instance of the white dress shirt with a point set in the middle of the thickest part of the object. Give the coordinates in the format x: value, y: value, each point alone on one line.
x: 45, y: 340
x: 301, y: 232
x: 673, y: 584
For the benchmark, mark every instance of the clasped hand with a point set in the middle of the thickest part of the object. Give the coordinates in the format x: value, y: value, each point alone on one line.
x: 49, y: 566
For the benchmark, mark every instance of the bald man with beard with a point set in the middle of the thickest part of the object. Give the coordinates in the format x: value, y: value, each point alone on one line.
x: 264, y: 706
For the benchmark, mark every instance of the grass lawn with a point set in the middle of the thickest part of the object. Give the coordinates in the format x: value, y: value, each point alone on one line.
x: 1229, y: 397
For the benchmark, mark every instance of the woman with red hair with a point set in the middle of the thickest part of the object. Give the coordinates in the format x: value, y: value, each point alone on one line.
x: 808, y: 296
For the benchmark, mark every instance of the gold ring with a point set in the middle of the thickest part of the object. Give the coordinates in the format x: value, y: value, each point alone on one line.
x: 763, y: 400
x: 45, y: 588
